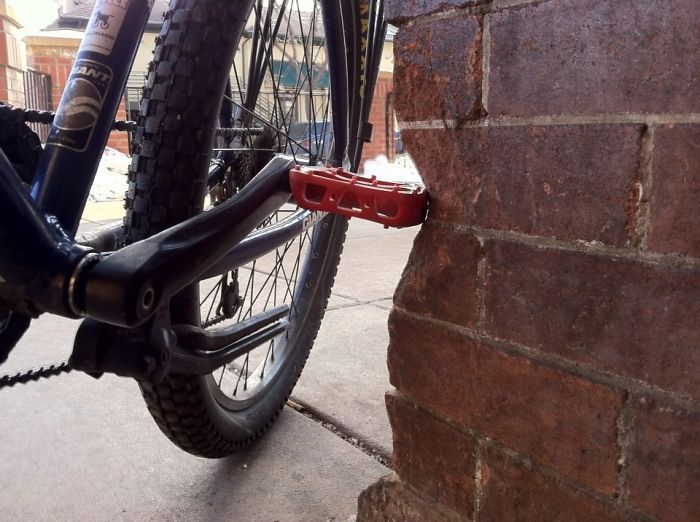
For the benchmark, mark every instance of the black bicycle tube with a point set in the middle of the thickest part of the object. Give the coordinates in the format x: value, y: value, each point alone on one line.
x: 363, y: 28
x: 337, y: 70
x: 374, y: 53
x: 352, y: 35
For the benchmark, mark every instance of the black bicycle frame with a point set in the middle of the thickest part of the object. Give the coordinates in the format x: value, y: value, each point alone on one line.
x: 38, y: 252
x: 42, y: 267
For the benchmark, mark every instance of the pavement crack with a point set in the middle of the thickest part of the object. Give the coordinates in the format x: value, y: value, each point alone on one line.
x: 353, y: 438
x: 360, y: 302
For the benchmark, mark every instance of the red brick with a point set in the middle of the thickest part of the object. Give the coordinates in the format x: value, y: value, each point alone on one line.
x: 438, y: 70
x: 595, y: 56
x: 119, y: 141
x: 567, y: 182
x: 674, y: 218
x: 41, y: 60
x: 44, y: 68
x: 60, y: 76
x: 664, y: 462
x: 377, y: 118
x: 444, y: 473
x: 635, y: 319
x: 4, y: 56
x: 514, y: 491
x: 400, y: 10
x: 388, y: 500
x: 559, y: 420
x: 441, y: 272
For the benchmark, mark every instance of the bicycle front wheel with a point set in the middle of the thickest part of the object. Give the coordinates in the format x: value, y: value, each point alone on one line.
x: 260, y: 69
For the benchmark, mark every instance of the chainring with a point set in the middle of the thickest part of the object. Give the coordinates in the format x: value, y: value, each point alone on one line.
x: 21, y: 145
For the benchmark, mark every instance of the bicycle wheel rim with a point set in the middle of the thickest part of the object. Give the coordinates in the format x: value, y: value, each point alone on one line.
x: 240, y: 385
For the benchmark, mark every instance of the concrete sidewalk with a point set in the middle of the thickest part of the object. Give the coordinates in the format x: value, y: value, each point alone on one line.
x: 78, y: 448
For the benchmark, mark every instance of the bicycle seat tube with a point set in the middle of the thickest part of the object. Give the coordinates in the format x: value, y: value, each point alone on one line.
x: 87, y: 108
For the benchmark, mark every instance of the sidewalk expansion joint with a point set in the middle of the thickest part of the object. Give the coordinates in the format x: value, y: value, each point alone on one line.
x: 353, y: 438
x: 358, y: 302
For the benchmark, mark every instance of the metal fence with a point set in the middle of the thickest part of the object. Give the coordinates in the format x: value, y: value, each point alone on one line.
x: 37, y: 95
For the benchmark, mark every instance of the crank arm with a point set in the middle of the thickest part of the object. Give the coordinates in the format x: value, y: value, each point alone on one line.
x: 192, y: 337
x: 200, y: 362
x: 154, y: 350
x: 110, y: 237
x: 142, y: 353
x: 129, y: 286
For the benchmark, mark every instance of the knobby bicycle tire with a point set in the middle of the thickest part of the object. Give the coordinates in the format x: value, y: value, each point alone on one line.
x: 182, y: 100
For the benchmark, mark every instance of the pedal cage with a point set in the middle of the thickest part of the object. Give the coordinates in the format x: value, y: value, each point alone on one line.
x: 337, y: 191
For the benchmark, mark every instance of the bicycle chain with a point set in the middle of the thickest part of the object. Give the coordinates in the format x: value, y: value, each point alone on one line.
x: 35, y: 374
x: 47, y: 117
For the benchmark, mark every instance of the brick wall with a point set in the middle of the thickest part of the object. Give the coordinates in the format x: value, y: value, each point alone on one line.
x: 55, y: 60
x: 381, y: 111
x: 545, y: 334
x: 12, y: 58
x: 55, y: 56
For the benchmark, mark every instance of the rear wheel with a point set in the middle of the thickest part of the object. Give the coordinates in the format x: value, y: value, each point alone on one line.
x: 277, y: 85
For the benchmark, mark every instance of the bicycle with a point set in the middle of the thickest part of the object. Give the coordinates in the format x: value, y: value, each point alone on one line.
x: 208, y: 206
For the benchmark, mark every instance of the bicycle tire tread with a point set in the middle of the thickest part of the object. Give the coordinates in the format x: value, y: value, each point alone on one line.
x: 162, y: 191
x: 172, y: 121
x: 154, y: 197
x: 183, y: 418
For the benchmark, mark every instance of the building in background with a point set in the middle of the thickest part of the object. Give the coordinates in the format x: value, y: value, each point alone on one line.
x: 13, y: 57
x: 37, y: 68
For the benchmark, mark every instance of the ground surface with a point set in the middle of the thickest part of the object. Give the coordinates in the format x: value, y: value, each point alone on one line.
x: 75, y: 448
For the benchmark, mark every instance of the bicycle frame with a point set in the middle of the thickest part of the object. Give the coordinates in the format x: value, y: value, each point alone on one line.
x: 43, y: 268
x: 98, y: 72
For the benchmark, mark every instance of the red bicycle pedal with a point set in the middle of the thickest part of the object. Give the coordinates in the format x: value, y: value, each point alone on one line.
x: 337, y: 191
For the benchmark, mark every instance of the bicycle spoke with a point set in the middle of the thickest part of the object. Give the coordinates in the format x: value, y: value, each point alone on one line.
x: 213, y: 301
x: 267, y: 354
x: 267, y: 279
x: 273, y: 127
x: 275, y: 72
x: 283, y: 92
